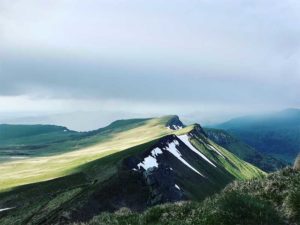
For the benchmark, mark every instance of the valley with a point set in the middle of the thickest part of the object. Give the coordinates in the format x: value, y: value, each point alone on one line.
x: 275, y: 134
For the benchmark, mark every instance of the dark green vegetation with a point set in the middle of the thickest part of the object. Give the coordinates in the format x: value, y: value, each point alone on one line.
x: 113, y: 173
x: 33, y: 140
x: 242, y: 150
x: 276, y: 134
x: 273, y: 200
x: 62, y: 199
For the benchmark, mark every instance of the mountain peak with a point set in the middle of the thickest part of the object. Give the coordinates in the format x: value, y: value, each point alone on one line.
x: 174, y: 123
x: 197, y: 129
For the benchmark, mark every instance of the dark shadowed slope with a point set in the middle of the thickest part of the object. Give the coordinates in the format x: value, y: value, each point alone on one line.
x: 273, y: 200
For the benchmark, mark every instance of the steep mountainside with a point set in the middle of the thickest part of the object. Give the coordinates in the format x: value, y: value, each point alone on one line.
x: 242, y: 150
x: 273, y: 200
x: 276, y: 134
x: 147, y: 163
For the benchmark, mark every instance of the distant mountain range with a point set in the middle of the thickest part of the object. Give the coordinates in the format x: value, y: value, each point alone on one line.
x: 52, y: 175
x: 276, y: 134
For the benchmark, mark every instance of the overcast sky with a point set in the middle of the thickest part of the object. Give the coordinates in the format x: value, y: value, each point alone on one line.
x: 85, y: 63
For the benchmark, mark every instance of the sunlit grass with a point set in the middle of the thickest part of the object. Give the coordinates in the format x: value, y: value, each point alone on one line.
x: 44, y: 168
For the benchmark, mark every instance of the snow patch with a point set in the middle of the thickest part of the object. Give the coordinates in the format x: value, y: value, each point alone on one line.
x: 177, y: 127
x: 174, y: 127
x: 185, y: 139
x: 5, y: 209
x: 156, y: 151
x: 174, y: 151
x: 150, y: 161
x: 216, y: 150
x: 176, y: 142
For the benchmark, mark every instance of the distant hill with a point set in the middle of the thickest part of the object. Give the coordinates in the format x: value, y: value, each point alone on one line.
x: 20, y: 141
x: 8, y: 132
x: 244, y: 151
x: 23, y: 141
x: 277, y: 134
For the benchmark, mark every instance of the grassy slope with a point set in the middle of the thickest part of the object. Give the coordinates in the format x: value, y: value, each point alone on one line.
x: 269, y: 201
x: 103, y: 142
x: 80, y: 173
x: 58, y: 184
x: 43, y: 201
x: 44, y: 168
x: 244, y: 151
x: 234, y: 165
x: 45, y: 140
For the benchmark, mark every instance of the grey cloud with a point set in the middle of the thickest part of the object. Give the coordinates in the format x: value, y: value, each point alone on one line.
x: 221, y: 52
x: 64, y: 78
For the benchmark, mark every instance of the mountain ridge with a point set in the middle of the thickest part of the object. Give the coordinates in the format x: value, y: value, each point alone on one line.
x: 143, y: 165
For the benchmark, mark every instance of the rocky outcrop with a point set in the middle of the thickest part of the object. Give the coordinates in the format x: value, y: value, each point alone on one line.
x: 174, y: 123
x: 198, y: 131
x: 163, y: 188
x: 160, y: 177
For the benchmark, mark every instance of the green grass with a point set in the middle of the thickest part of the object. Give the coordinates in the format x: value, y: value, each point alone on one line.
x: 110, y: 140
x: 234, y: 165
x: 38, y: 169
x: 268, y: 201
x: 46, y: 200
x: 51, y: 187
x: 40, y: 199
x: 47, y: 140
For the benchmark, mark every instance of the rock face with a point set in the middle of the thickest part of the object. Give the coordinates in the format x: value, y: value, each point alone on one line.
x: 173, y: 168
x: 157, y: 173
x: 162, y: 185
x: 174, y: 123
x: 198, y: 130
x: 297, y: 163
